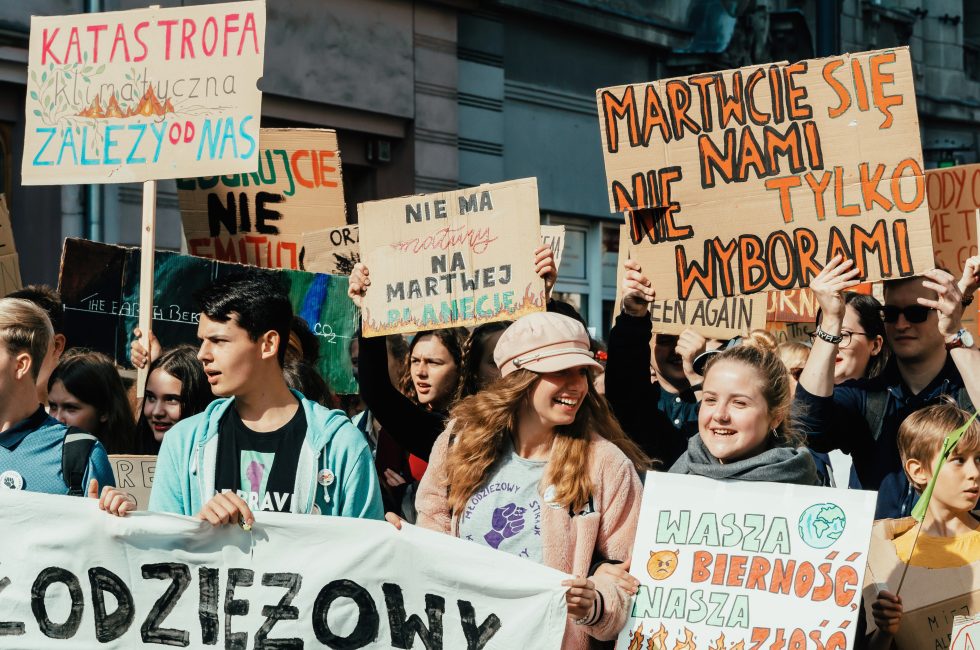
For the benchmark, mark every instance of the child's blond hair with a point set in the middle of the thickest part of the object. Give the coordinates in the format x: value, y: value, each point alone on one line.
x: 921, y: 434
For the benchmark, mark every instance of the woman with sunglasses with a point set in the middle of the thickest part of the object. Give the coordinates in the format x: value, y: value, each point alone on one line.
x: 933, y: 358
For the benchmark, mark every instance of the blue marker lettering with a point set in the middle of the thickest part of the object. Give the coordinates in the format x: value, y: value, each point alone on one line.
x: 159, y: 134
x: 68, y: 140
x: 85, y: 160
x: 209, y: 134
x: 246, y: 136
x: 229, y: 134
x: 50, y: 131
x: 109, y: 144
x: 131, y: 159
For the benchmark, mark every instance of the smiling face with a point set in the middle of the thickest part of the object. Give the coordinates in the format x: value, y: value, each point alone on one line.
x: 734, y: 418
x: 434, y: 372
x: 557, y: 396
x: 73, y: 412
x: 662, y: 564
x: 161, y: 403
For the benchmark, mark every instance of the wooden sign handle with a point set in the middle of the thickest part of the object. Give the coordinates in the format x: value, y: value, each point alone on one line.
x: 147, y: 250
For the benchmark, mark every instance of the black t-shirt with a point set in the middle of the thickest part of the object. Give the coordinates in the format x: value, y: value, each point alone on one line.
x: 260, y: 467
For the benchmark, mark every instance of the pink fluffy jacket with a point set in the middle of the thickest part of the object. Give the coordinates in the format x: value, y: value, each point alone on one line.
x: 569, y: 543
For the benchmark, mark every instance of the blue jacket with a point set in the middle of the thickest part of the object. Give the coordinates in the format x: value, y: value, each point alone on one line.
x: 186, y: 465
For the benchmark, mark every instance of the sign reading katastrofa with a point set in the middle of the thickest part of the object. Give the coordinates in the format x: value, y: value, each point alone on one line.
x: 123, y: 96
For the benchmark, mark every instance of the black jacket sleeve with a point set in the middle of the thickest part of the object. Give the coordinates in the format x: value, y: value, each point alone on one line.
x: 412, y: 426
x: 633, y: 397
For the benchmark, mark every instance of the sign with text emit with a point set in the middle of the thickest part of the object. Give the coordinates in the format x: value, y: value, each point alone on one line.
x: 126, y: 96
x: 750, y: 180
x: 259, y: 218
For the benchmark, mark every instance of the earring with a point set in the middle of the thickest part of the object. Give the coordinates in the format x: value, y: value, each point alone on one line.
x: 775, y: 434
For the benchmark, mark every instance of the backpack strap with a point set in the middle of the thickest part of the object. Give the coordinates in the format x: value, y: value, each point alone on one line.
x: 876, y: 402
x: 75, y: 452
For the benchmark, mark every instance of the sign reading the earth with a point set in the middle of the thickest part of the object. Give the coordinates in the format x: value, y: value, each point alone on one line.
x: 737, y: 565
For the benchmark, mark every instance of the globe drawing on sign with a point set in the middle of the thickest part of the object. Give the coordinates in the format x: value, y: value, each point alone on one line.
x: 822, y: 524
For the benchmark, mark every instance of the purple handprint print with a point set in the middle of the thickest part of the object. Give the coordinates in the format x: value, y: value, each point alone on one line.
x: 507, y: 521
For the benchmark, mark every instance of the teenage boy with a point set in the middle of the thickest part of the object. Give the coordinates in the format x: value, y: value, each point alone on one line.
x: 38, y: 453
x: 949, y: 535
x: 933, y: 358
x: 262, y: 447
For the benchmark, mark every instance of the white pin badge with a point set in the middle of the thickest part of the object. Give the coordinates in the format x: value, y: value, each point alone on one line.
x: 549, y: 497
x: 11, y: 480
x: 325, y: 477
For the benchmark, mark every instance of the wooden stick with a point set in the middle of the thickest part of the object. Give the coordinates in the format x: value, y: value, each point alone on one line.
x: 147, y: 250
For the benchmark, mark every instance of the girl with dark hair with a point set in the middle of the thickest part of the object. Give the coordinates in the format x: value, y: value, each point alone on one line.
x: 862, y: 352
x: 85, y: 391
x: 478, y: 369
x: 176, y: 388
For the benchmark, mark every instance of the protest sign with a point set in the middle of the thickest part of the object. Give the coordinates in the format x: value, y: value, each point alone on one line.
x: 123, y: 96
x: 790, y: 332
x: 720, y: 319
x: 293, y: 581
x: 259, y: 218
x: 954, y: 197
x: 930, y: 597
x: 800, y: 305
x: 554, y: 238
x: 9, y: 261
x: 451, y: 259
x: 134, y: 474
x: 740, y: 564
x: 99, y: 285
x: 966, y: 633
x: 749, y: 180
x: 334, y: 250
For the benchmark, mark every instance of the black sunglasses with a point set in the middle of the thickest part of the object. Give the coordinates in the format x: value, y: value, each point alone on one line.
x: 912, y: 313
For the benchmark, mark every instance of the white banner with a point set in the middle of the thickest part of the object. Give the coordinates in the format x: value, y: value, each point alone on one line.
x: 74, y: 577
x: 740, y: 565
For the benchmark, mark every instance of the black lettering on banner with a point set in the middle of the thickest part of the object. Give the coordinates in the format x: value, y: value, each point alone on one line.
x: 180, y: 577
x: 264, y: 215
x: 9, y: 628
x: 368, y: 621
x: 109, y: 627
x: 233, y: 607
x: 207, y: 612
x: 49, y: 628
x: 403, y: 630
x: 220, y: 214
x: 281, y: 612
x: 476, y: 637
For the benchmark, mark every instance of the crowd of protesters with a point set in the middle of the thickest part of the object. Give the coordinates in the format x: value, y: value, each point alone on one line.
x: 244, y: 422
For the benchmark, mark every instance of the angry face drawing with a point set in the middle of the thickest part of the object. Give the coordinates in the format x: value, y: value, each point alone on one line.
x: 662, y: 564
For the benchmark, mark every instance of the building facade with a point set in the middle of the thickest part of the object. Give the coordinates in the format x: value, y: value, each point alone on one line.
x: 436, y: 95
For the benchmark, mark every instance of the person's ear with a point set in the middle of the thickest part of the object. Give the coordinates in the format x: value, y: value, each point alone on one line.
x: 103, y: 417
x: 269, y: 343
x: 877, y: 343
x: 23, y: 364
x: 58, y: 343
x: 918, y: 473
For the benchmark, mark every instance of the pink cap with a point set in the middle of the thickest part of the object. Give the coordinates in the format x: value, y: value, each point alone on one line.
x: 543, y: 342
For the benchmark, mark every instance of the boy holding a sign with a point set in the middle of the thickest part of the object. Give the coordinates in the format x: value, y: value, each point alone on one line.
x: 264, y: 447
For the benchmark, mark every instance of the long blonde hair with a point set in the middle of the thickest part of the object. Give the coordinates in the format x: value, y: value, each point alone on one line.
x: 481, y: 422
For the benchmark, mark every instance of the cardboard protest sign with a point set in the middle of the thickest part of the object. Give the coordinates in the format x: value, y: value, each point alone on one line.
x: 9, y: 261
x: 554, y: 238
x: 334, y: 250
x: 966, y: 633
x: 797, y: 332
x: 739, y: 564
x: 749, y: 180
x: 799, y: 305
x: 134, y: 474
x: 937, y: 596
x: 954, y: 197
x: 123, y: 96
x: 451, y: 259
x: 99, y: 287
x: 719, y: 319
x: 293, y: 581
x: 259, y: 218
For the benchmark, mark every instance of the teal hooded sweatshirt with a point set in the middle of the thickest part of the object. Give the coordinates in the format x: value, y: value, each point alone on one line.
x: 186, y: 465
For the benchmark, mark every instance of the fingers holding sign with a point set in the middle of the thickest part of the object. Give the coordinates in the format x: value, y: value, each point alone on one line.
x: 828, y: 288
x: 358, y: 283
x: 580, y: 597
x: 545, y: 267
x: 226, y: 508
x: 114, y: 501
x: 948, y: 302
x: 638, y: 291
x: 970, y: 280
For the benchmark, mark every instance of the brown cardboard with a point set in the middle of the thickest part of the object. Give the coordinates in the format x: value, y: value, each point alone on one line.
x: 784, y: 332
x: 720, y: 318
x: 124, y: 96
x: 259, y: 218
x: 9, y: 261
x: 706, y: 230
x: 799, y: 305
x: 954, y: 196
x: 134, y: 474
x: 451, y: 259
x: 930, y: 597
x: 333, y: 250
